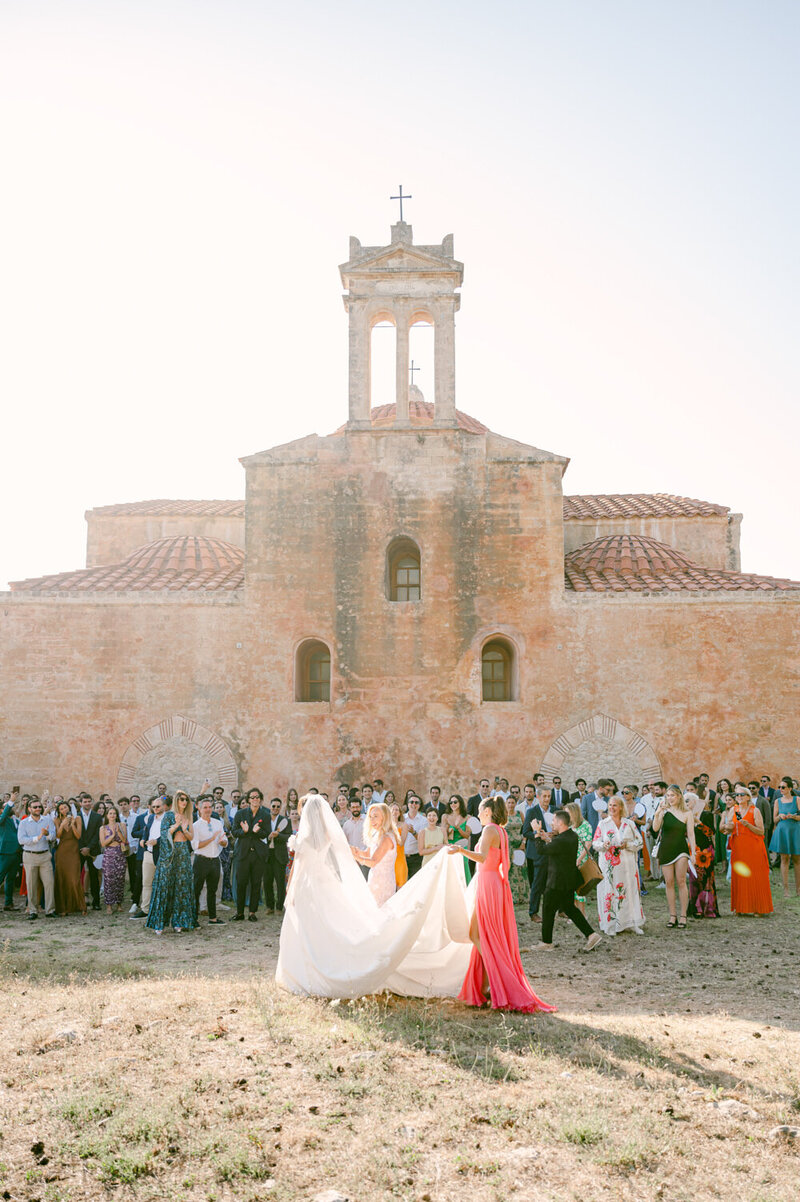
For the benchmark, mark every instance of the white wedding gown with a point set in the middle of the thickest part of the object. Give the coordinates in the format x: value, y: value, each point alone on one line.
x: 337, y: 942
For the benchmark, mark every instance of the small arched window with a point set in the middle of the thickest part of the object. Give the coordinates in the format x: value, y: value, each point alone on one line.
x: 313, y: 672
x: 404, y: 576
x: 497, y: 671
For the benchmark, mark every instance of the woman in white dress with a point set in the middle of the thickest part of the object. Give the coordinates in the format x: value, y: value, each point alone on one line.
x: 617, y: 842
x: 336, y: 941
x: 381, y: 838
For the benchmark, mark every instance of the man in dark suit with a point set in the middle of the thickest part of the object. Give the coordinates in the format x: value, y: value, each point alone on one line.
x: 766, y: 789
x: 580, y: 790
x: 558, y: 796
x: 278, y: 858
x: 90, y: 845
x: 251, y: 829
x: 560, y: 851
x: 474, y: 803
x: 535, y: 860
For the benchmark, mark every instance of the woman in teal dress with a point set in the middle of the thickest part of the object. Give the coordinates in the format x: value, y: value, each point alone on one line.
x: 785, y: 841
x: 172, y: 902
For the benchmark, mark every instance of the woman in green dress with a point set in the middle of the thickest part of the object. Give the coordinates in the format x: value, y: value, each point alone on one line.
x: 584, y: 832
x: 455, y: 820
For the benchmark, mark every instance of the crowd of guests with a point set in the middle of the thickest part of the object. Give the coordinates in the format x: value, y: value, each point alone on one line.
x: 183, y: 856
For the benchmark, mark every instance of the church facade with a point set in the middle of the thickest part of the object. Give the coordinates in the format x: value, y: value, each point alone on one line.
x: 412, y: 597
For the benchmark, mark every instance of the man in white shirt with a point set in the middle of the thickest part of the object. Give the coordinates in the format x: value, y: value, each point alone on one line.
x: 208, y: 840
x: 35, y: 834
x: 353, y: 826
x: 366, y: 797
x: 378, y: 791
x: 415, y: 823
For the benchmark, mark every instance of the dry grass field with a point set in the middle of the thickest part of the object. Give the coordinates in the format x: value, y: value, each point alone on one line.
x: 138, y: 1067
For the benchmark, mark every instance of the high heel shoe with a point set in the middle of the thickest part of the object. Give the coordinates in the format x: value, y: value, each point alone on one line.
x: 672, y: 921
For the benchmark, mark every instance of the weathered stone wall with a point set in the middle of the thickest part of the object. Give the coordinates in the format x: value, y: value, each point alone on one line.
x: 110, y: 538
x: 707, y: 681
x: 710, y: 541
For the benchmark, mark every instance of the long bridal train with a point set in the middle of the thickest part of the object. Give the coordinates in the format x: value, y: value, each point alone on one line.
x: 337, y: 942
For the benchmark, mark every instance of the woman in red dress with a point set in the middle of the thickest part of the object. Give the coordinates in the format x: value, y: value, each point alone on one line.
x: 495, y: 965
x: 750, y: 888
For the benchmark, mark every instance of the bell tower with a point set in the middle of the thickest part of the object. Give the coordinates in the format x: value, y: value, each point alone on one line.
x: 403, y: 284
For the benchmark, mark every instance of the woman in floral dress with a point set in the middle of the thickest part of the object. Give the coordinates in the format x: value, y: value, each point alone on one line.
x: 381, y: 838
x: 172, y: 902
x: 702, y: 886
x: 617, y: 842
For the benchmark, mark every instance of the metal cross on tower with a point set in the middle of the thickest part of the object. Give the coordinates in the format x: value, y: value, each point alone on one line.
x: 401, y: 198
x: 412, y: 369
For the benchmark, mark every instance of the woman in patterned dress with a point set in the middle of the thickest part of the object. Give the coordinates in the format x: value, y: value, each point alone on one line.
x: 702, y: 886
x: 172, y: 901
x: 382, y: 839
x: 114, y: 847
x: 617, y: 842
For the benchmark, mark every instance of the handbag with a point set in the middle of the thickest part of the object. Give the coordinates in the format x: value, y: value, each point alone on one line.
x: 590, y: 877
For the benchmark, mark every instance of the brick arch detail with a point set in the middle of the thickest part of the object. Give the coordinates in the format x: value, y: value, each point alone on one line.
x: 186, y: 728
x: 609, y: 730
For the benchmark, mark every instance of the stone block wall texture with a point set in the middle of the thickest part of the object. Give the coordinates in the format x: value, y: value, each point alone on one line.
x: 712, y: 541
x: 110, y: 538
x: 709, y: 681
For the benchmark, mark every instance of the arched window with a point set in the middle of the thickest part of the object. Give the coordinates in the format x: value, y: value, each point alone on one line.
x: 497, y: 671
x: 403, y: 576
x: 313, y: 672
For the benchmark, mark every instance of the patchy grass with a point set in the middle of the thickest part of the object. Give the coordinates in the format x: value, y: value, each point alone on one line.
x: 176, y: 1069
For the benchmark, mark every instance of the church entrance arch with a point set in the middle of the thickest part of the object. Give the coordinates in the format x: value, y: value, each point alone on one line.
x: 181, y: 754
x: 601, y: 746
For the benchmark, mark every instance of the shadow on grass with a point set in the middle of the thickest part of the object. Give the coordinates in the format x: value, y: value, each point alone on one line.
x: 492, y: 1044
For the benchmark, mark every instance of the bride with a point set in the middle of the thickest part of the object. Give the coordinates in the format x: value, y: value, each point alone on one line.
x: 337, y: 941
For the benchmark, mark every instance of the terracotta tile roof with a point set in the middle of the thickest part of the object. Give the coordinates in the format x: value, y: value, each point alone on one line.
x: 639, y: 505
x: 163, y: 508
x: 168, y: 564
x: 420, y: 413
x: 622, y: 563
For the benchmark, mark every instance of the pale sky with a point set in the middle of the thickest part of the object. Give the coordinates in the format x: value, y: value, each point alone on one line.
x: 180, y: 181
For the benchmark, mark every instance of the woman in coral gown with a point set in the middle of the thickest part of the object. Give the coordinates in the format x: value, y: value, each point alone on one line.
x: 750, y: 888
x: 495, y: 965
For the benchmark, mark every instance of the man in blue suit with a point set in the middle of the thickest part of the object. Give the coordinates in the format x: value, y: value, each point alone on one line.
x: 147, y: 829
x: 537, y: 818
x: 594, y: 806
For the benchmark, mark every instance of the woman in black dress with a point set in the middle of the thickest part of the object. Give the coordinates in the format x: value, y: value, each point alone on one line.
x: 674, y: 822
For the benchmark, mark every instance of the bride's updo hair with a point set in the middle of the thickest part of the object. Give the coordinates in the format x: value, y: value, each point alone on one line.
x: 498, y: 807
x: 374, y: 834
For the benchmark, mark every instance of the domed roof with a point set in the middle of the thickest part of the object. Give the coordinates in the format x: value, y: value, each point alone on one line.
x: 634, y: 563
x: 420, y: 413
x: 183, y: 562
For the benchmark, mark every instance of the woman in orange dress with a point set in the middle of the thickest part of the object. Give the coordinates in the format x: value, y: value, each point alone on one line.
x: 495, y: 965
x: 750, y: 888
x: 68, y: 887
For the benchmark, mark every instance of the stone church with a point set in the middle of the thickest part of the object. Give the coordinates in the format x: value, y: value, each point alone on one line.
x: 412, y: 596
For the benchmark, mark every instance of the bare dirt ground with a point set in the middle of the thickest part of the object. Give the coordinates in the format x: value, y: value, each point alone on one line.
x: 134, y: 1066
